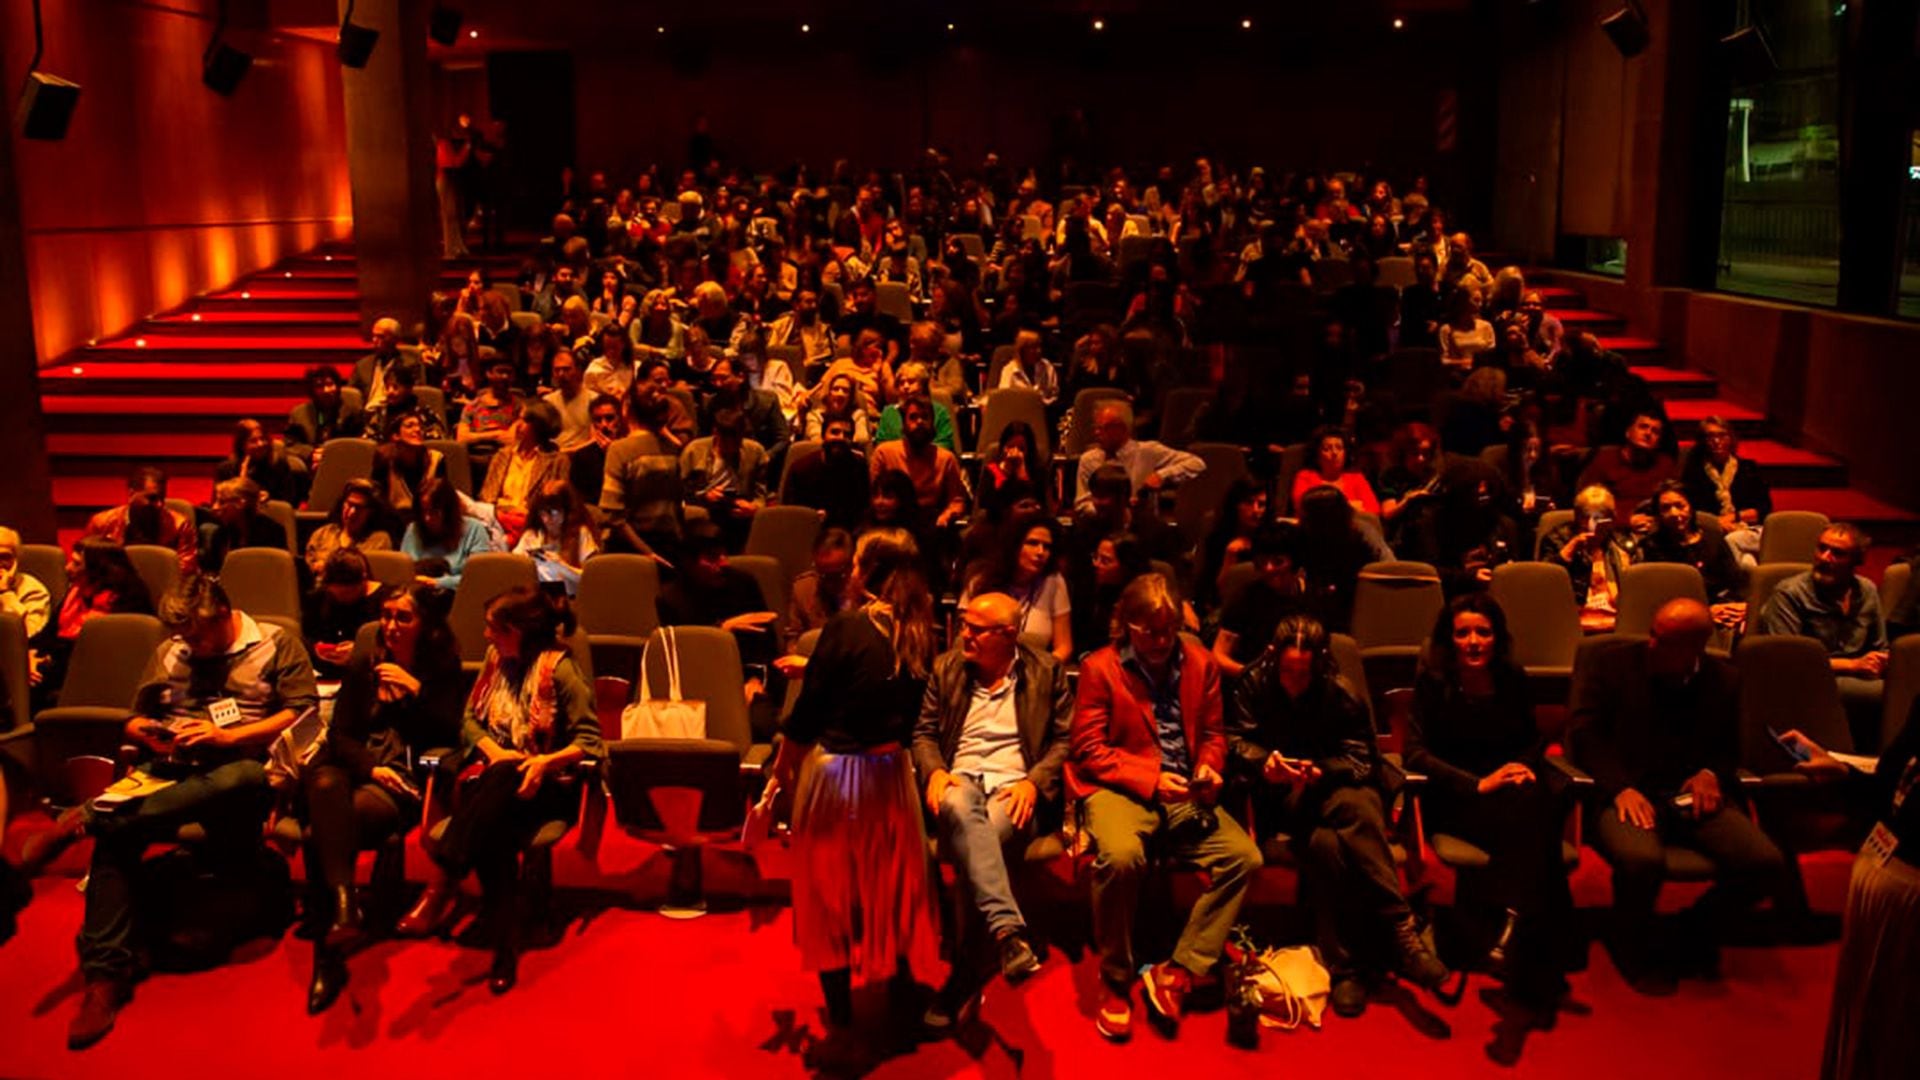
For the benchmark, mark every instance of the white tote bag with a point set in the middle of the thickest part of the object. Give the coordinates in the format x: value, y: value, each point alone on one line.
x: 672, y: 717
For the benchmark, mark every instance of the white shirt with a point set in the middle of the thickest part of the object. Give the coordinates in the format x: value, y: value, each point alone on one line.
x: 990, y: 738
x: 1043, y: 379
x: 1140, y: 457
x: 604, y: 377
x: 576, y: 419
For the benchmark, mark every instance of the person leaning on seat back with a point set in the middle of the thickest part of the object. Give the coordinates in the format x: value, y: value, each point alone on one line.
x: 213, y: 697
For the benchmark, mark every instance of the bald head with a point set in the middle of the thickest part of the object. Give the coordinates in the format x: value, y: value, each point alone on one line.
x: 1679, y: 635
x: 990, y: 635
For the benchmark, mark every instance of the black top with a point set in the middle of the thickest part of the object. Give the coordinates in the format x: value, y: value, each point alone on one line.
x: 1899, y: 768
x: 1419, y: 307
x: 1750, y: 489
x: 1253, y: 613
x: 853, y: 698
x: 326, y: 621
x: 587, y: 471
x: 1632, y: 730
x: 684, y: 602
x: 1326, y: 726
x: 1708, y: 554
x: 367, y: 732
x: 1456, y: 738
x: 837, y: 486
x: 216, y: 540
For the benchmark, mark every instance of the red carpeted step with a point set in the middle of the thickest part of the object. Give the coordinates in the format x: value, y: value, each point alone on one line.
x: 108, y: 405
x: 276, y: 282
x: 210, y: 446
x: 1846, y: 504
x: 1559, y: 297
x: 1586, y: 318
x: 102, y: 491
x: 333, y: 338
x: 1790, y: 466
x: 262, y: 316
x: 1674, y: 383
x: 1633, y: 348
x: 284, y: 292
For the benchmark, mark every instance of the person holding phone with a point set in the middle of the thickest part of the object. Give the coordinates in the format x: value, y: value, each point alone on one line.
x: 1304, y: 745
x: 399, y: 697
x: 1595, y: 549
x: 1148, y: 751
x: 214, y: 697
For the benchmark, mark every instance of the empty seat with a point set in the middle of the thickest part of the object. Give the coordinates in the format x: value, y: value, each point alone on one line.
x: 796, y: 453
x: 1791, y: 535
x: 785, y: 533
x: 1647, y: 586
x: 457, y: 465
x: 262, y: 581
x: 1541, y: 615
x: 1786, y: 683
x: 487, y: 575
x: 109, y: 658
x: 971, y: 244
x: 16, y: 721
x: 893, y: 298
x: 1893, y: 585
x: 281, y: 513
x: 773, y: 581
x: 1396, y: 271
x: 1394, y: 607
x: 1902, y: 687
x: 1201, y: 495
x: 616, y: 608
x: 158, y: 567
x: 1181, y: 411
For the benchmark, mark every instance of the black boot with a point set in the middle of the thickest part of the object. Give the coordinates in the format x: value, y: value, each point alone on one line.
x: 347, y: 928
x: 837, y: 987
x: 329, y: 978
x: 1418, y: 965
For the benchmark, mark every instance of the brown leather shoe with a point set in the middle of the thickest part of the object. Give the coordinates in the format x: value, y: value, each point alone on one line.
x: 99, y: 1005
x: 429, y: 915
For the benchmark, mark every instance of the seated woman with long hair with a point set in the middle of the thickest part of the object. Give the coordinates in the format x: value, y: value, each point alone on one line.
x: 1026, y: 568
x: 1329, y: 463
x: 1678, y: 538
x: 101, y: 580
x: 1533, y: 480
x: 353, y: 523
x: 893, y: 504
x: 401, y: 468
x: 1411, y: 476
x: 529, y: 460
x: 1015, y: 464
x: 346, y: 597
x: 442, y: 537
x: 401, y: 697
x: 859, y: 841
x: 529, y: 716
x: 841, y: 397
x: 265, y: 462
x: 561, y: 534
x: 1243, y: 509
x: 1333, y: 551
x: 1473, y: 734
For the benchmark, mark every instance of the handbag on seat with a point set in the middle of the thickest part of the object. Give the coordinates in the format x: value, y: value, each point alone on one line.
x: 672, y: 717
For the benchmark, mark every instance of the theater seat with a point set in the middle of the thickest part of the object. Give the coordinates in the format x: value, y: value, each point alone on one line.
x: 1791, y: 535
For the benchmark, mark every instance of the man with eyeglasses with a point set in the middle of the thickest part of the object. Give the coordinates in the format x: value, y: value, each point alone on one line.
x: 1149, y: 744
x: 989, y: 746
x: 1835, y: 606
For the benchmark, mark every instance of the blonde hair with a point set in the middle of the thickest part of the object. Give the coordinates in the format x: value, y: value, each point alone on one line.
x: 887, y: 563
x: 1592, y: 499
x: 1146, y: 597
x: 912, y: 369
x: 9, y: 538
x: 575, y: 303
x: 709, y: 290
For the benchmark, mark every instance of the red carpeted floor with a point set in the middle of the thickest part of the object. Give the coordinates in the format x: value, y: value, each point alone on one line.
x: 629, y: 993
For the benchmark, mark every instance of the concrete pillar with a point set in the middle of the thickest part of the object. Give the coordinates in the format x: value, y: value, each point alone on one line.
x: 390, y: 158
x: 26, y: 499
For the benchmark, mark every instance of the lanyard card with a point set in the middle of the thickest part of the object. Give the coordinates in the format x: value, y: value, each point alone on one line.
x: 224, y: 712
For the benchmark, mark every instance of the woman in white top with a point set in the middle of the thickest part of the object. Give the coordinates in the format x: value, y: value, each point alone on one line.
x: 560, y: 536
x: 1465, y: 334
x: 1028, y: 368
x: 1025, y: 568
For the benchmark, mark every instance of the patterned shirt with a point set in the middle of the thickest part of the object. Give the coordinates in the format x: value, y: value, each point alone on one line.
x: 1168, y: 720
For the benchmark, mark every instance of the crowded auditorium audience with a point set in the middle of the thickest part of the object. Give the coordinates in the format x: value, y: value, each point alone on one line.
x: 1027, y: 601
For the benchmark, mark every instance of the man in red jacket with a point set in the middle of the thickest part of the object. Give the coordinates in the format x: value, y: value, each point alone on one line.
x: 1148, y: 747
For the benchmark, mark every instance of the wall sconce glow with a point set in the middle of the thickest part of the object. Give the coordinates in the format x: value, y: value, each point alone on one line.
x: 139, y: 343
x: 659, y: 29
x: 1099, y: 24
x: 806, y: 28
x: 1246, y: 24
x: 1399, y: 23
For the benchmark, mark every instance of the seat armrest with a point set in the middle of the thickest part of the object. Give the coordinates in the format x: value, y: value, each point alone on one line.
x: 1415, y: 780
x: 1574, y: 774
x: 757, y: 759
x: 1747, y: 778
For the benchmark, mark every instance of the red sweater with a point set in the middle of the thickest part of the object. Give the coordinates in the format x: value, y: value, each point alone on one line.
x: 1114, y: 744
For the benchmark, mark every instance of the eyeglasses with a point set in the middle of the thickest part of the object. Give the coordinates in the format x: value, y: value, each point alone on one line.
x: 972, y: 629
x: 1153, y: 633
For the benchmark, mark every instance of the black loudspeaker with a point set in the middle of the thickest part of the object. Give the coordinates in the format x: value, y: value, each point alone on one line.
x: 1628, y: 30
x: 46, y: 106
x: 225, y: 66
x: 443, y: 25
x: 1749, y: 56
x: 356, y: 44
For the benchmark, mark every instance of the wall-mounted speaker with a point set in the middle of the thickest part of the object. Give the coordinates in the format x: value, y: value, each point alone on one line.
x: 356, y: 44
x: 46, y: 106
x: 224, y: 67
x: 443, y: 25
x: 1628, y: 31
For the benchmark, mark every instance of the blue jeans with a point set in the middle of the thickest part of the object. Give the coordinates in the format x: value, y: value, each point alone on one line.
x: 975, y: 832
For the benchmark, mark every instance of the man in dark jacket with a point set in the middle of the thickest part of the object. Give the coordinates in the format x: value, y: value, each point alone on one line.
x: 1656, y: 724
x: 1307, y: 746
x: 989, y: 747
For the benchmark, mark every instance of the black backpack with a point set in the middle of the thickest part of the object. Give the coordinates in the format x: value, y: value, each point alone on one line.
x: 194, y: 911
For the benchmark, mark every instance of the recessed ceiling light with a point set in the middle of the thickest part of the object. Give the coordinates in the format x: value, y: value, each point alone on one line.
x: 1246, y: 24
x: 1099, y: 24
x: 806, y: 28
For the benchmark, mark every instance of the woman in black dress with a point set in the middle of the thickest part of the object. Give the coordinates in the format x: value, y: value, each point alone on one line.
x: 860, y: 891
x: 402, y: 696
x: 1473, y: 734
